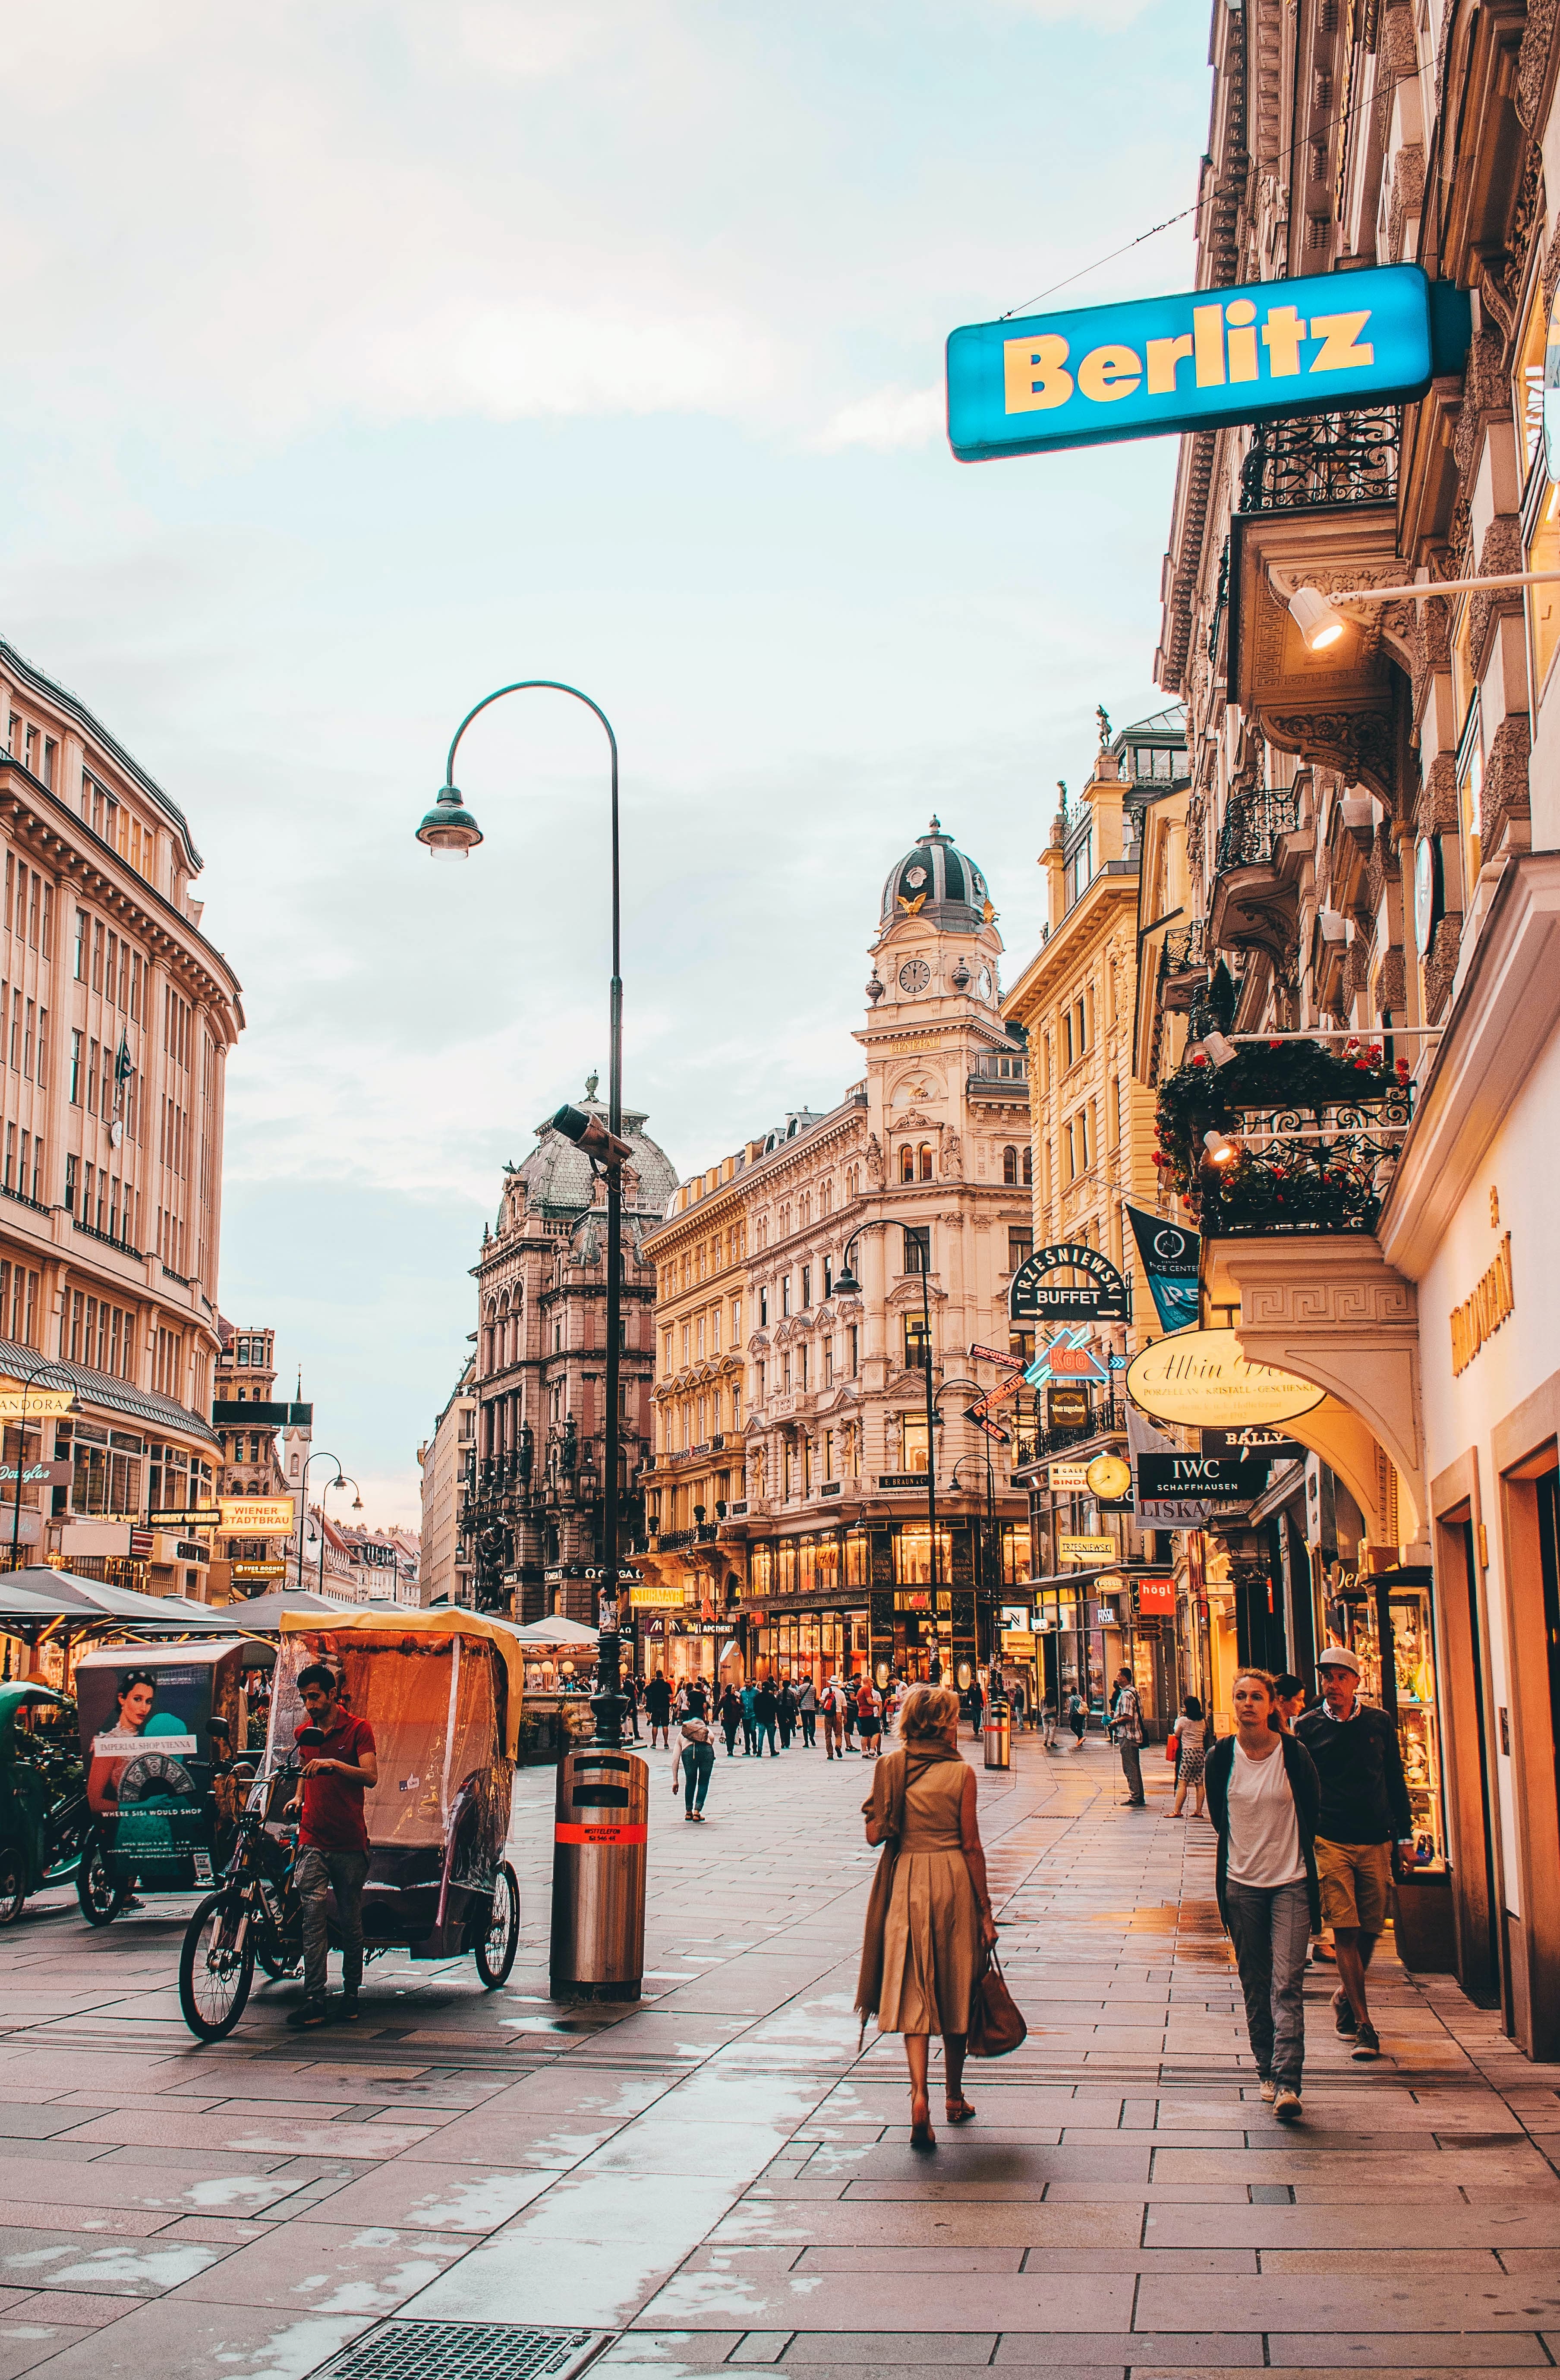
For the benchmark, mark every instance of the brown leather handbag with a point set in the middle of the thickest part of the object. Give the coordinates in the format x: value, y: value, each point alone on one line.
x: 996, y: 2024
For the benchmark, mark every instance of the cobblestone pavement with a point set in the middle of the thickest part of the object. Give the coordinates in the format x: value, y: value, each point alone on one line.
x: 718, y: 2178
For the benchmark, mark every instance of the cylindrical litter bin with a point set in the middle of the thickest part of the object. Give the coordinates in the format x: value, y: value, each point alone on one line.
x: 999, y: 1735
x: 599, y: 1859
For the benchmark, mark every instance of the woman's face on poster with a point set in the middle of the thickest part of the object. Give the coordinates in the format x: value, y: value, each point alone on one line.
x: 135, y: 1707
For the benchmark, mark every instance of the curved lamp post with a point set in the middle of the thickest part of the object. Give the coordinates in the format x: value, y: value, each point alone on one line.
x: 322, y: 1456
x: 450, y: 832
x: 341, y: 1480
x: 31, y: 1382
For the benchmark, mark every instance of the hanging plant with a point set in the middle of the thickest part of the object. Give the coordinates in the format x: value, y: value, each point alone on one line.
x: 1200, y: 1097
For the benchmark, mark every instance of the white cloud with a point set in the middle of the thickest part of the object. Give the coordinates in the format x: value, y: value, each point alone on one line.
x: 890, y: 417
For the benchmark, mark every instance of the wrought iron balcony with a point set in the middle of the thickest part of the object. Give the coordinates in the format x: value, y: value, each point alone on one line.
x: 1323, y: 461
x: 1254, y: 824
x: 1107, y: 1420
x: 1323, y: 1169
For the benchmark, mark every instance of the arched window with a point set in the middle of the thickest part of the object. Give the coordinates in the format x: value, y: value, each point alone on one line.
x: 926, y: 1163
x: 1010, y: 1165
x: 1028, y: 1167
x: 907, y: 1163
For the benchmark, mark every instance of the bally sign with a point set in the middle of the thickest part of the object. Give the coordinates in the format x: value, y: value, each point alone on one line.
x: 1199, y: 359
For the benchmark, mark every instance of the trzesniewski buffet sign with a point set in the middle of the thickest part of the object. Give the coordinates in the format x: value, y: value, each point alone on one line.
x: 1191, y: 362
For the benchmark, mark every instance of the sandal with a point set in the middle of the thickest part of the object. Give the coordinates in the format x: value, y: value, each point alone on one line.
x: 923, y: 2140
x: 959, y: 2111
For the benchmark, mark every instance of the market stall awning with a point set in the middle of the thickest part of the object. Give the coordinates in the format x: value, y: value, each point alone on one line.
x: 555, y: 1631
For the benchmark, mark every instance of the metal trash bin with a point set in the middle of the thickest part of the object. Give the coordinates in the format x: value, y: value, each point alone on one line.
x: 598, y: 1863
x: 999, y: 1735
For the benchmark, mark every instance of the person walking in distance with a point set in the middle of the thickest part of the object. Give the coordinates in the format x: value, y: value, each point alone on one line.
x: 807, y: 1712
x: 1263, y: 1793
x: 833, y: 1719
x: 657, y: 1710
x: 1077, y: 1717
x: 1364, y: 1808
x: 869, y: 1718
x: 731, y: 1718
x: 1191, y: 1735
x: 764, y: 1709
x: 634, y: 1697
x: 847, y: 1712
x: 1126, y: 1726
x: 695, y: 1761
x: 333, y: 1842
x: 930, y: 1913
x: 785, y: 1713
x: 1049, y: 1720
x: 749, y: 1724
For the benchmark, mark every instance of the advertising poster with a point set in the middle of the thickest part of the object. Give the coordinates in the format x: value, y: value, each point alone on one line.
x: 143, y: 1730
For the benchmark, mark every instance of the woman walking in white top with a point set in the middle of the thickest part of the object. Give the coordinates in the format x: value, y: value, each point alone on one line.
x: 1263, y: 1798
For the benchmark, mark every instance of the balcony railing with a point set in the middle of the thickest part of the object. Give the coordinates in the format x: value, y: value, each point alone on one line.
x: 1321, y: 462
x: 1323, y: 1169
x: 1109, y: 1419
x: 1254, y: 824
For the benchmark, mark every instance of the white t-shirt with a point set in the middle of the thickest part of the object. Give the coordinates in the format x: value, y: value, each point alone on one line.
x: 1264, y: 1844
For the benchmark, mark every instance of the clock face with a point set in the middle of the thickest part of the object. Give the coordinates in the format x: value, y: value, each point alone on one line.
x: 1109, y: 1477
x: 914, y: 976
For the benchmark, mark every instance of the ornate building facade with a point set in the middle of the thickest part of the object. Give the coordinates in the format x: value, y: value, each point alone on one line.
x: 532, y: 1520
x: 819, y: 1558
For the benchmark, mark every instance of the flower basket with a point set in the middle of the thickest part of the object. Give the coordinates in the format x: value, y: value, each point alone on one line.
x: 1298, y: 1179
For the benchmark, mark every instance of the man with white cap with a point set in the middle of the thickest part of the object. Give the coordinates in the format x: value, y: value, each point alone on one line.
x: 1364, y: 1807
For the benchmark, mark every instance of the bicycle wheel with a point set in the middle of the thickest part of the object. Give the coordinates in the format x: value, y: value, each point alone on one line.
x: 101, y: 1898
x: 273, y: 1955
x: 495, y: 1953
x: 214, y: 1975
x: 13, y: 1888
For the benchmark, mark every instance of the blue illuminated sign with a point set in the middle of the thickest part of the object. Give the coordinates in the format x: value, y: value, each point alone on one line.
x: 1209, y: 356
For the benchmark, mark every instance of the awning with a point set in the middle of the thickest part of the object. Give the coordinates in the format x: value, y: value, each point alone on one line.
x: 389, y: 1622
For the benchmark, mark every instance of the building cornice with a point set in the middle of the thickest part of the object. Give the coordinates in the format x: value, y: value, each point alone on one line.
x: 1091, y: 919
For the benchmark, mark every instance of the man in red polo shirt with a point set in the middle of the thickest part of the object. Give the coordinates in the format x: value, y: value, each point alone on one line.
x: 333, y: 1842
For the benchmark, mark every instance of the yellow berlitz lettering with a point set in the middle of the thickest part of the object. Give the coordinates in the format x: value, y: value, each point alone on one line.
x: 1032, y: 376
x: 1340, y: 335
x: 1207, y: 327
x: 1107, y: 373
x: 1163, y: 355
x: 1281, y: 336
x: 1242, y: 339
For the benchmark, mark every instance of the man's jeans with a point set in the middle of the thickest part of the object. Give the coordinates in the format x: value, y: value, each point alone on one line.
x: 318, y: 1872
x: 1270, y: 1927
x: 809, y: 1728
x: 698, y: 1761
x: 1131, y: 1767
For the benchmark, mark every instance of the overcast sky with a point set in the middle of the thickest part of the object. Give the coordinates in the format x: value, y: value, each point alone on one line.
x: 365, y: 354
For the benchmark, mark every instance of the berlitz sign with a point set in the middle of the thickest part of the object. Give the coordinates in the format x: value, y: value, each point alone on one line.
x: 1199, y: 359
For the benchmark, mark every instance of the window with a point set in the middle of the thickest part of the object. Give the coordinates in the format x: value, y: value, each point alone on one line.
x: 829, y: 1276
x: 917, y: 1344
x: 1021, y: 1247
x: 801, y: 1366
x: 27, y: 1040
x: 763, y: 1309
x: 76, y: 1070
x: 806, y: 1287
x: 70, y: 1165
x: 912, y: 1442
x: 715, y: 1330
x: 91, y: 1074
x: 1028, y: 1167
x: 907, y: 1163
x: 924, y: 1162
x: 854, y: 1336
x: 785, y: 1293
x: 737, y: 1320
x: 78, y: 963
x: 1011, y: 1167
x: 97, y: 956
x: 828, y: 1363
x: 918, y: 1250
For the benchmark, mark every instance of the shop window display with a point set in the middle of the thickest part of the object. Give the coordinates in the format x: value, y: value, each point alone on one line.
x: 1390, y: 1629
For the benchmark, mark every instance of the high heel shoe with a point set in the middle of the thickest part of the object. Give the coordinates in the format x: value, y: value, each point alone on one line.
x: 923, y: 2140
x: 959, y: 2111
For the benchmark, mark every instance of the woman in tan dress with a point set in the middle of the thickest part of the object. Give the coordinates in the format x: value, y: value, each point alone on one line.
x: 930, y: 1911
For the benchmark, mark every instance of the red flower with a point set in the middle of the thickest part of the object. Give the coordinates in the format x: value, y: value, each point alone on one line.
x: 1199, y: 1060
x: 1276, y: 1045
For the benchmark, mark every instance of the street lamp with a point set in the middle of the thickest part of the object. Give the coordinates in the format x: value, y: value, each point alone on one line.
x: 29, y: 1382
x: 450, y: 832
x: 341, y: 1480
x: 322, y: 1456
x: 847, y: 1285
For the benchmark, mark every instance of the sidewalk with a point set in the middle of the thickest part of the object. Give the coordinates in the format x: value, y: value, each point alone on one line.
x: 716, y: 2177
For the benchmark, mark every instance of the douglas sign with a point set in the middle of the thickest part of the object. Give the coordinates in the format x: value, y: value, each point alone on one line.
x: 1209, y: 356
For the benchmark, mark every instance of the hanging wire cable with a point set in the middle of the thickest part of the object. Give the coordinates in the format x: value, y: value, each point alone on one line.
x: 1317, y: 133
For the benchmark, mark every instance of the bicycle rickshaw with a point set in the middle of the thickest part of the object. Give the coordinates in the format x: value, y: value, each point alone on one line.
x: 43, y: 1817
x: 441, y: 1691
x: 161, y: 1726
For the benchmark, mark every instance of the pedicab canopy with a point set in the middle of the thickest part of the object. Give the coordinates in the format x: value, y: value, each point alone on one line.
x: 386, y: 1632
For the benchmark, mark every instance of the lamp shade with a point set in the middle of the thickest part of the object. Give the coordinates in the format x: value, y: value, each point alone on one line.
x: 1319, y: 624
x: 448, y: 831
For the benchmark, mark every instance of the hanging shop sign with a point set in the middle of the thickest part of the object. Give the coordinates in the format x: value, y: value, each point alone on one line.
x: 993, y: 1430
x: 1068, y: 1407
x: 1185, y: 1491
x: 1200, y: 1377
x: 1155, y: 1599
x: 649, y: 1598
x: 1265, y: 1445
x: 260, y: 1516
x: 1203, y: 357
x: 1102, y: 1297
x: 37, y: 1475
x: 1086, y: 1549
x: 1068, y: 1478
x: 1170, y: 1256
x: 997, y: 1355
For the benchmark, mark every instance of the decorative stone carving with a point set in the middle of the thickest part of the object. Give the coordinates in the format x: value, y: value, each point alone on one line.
x: 1536, y: 64
x: 1359, y: 743
x: 875, y: 1166
x: 1441, y: 967
x: 952, y: 1158
x: 1436, y: 809
x: 1500, y: 556
x: 1390, y: 989
x: 1505, y: 783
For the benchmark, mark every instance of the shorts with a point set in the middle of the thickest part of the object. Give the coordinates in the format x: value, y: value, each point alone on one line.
x: 1356, y: 1881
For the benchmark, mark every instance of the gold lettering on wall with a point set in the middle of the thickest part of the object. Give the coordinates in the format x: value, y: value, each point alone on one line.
x: 1481, y: 1315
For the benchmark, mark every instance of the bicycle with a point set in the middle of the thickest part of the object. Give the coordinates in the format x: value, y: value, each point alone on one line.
x: 253, y: 1918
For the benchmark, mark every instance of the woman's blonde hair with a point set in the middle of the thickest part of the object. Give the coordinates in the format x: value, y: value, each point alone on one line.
x: 1264, y: 1677
x: 928, y: 1710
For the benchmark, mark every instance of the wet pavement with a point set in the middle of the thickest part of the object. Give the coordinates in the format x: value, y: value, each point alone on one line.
x: 718, y: 2176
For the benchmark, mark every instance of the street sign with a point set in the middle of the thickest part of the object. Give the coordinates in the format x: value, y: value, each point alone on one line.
x: 1170, y: 1258
x: 1201, y: 1377
x: 1103, y: 1296
x: 1318, y: 344
x: 997, y: 1396
x: 258, y: 1516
